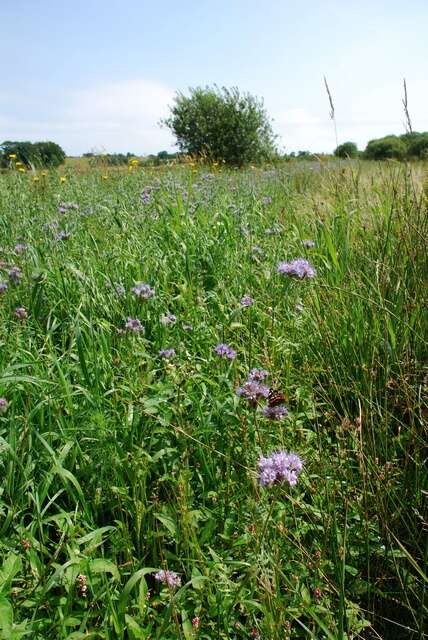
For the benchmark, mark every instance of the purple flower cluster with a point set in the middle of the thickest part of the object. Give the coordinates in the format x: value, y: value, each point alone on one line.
x: 146, y: 195
x: 119, y: 290
x: 167, y: 353
x: 225, y: 351
x: 15, y: 275
x: 63, y: 235
x: 143, y: 291
x: 281, y: 466
x: 279, y: 412
x: 20, y: 247
x: 258, y: 374
x: 67, y: 206
x: 267, y: 200
x: 298, y: 268
x: 170, y: 578
x: 253, y: 391
x: 3, y: 405
x: 3, y: 287
x: 134, y: 325
x: 246, y: 301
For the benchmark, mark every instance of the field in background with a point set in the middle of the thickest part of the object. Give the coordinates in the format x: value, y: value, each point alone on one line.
x: 120, y: 458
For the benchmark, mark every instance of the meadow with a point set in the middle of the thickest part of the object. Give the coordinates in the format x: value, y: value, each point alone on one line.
x: 199, y: 436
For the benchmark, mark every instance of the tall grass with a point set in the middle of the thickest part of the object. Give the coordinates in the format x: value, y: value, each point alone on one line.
x: 117, y: 463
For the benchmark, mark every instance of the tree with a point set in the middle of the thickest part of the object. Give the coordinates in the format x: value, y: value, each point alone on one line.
x: 32, y: 155
x: 387, y: 147
x: 346, y: 150
x: 221, y: 125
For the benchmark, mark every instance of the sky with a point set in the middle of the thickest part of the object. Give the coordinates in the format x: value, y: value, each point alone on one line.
x: 98, y: 75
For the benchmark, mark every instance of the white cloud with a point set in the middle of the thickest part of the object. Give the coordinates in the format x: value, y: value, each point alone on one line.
x: 118, y: 116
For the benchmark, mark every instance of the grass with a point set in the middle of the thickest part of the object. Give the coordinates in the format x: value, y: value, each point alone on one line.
x: 118, y: 463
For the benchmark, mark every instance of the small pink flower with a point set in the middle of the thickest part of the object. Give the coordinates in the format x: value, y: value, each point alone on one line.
x: 195, y: 622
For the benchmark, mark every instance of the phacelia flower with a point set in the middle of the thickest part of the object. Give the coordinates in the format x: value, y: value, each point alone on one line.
x: 246, y: 301
x: 146, y: 195
x: 308, y: 244
x: 281, y: 466
x: 3, y: 405
x: 15, y: 275
x: 298, y: 268
x: 225, y: 351
x: 253, y: 391
x: 267, y: 200
x: 20, y: 247
x: 63, y: 235
x: 168, y: 319
x: 67, y: 206
x: 119, y: 290
x: 3, y: 287
x: 170, y: 578
x: 143, y: 291
x: 258, y: 374
x: 134, y: 325
x: 167, y: 353
x: 21, y: 313
x: 275, y: 413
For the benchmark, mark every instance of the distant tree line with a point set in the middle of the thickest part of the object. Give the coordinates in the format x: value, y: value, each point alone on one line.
x: 31, y: 154
x: 413, y: 145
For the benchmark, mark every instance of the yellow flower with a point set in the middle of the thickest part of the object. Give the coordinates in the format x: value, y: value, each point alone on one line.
x: 104, y: 177
x: 18, y: 163
x: 62, y: 179
x: 36, y: 178
x: 12, y: 156
x: 21, y: 169
x: 44, y: 173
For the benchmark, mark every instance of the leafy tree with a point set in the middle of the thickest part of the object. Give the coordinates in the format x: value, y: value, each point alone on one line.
x: 387, y: 147
x: 417, y: 144
x: 222, y: 125
x: 346, y: 150
x: 37, y: 154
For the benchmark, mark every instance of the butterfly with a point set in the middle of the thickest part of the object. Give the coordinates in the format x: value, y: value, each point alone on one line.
x: 275, y: 398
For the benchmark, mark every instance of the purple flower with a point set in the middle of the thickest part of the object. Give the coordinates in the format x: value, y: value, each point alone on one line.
x: 170, y: 578
x: 187, y: 327
x: 143, y: 291
x: 3, y: 287
x: 253, y: 391
x: 308, y: 244
x: 119, y: 289
x: 21, y: 313
x: 134, y: 325
x: 168, y: 319
x: 258, y: 374
x: 246, y: 301
x: 166, y: 353
x: 298, y: 268
x: 225, y: 351
x: 66, y: 206
x: 3, y: 405
x: 63, y: 235
x: 267, y: 200
x: 275, y: 413
x: 146, y: 195
x: 20, y: 247
x: 15, y: 275
x: 281, y: 466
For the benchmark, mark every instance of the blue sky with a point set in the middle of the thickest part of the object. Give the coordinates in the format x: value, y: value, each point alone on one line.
x: 98, y: 75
